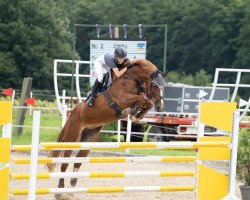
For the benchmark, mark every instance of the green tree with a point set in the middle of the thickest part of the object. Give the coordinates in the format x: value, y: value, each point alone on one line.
x: 221, y: 50
x: 33, y: 34
x: 202, y: 78
x: 243, y: 40
x: 8, y: 71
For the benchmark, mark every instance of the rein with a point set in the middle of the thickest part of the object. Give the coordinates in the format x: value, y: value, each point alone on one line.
x: 141, y: 88
x: 149, y: 90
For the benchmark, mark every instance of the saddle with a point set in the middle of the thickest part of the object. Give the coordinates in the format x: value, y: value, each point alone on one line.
x: 103, y: 89
x: 105, y: 85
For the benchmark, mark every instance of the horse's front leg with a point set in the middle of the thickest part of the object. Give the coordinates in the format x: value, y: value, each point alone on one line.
x: 143, y: 106
x: 134, y: 109
x: 148, y: 105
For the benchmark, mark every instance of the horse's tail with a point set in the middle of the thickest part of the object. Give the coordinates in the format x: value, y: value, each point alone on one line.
x: 55, y: 153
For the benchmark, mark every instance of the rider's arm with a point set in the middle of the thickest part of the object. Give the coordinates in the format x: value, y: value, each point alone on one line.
x: 118, y: 72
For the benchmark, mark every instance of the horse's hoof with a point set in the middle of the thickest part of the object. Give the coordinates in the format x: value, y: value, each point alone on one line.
x: 126, y: 111
x: 61, y: 183
x: 137, y: 119
x: 134, y: 119
x: 73, y: 182
x: 58, y: 196
x: 133, y: 111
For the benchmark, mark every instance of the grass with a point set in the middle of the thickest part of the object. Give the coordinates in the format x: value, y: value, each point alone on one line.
x: 53, y: 119
x: 163, y: 152
x: 46, y: 135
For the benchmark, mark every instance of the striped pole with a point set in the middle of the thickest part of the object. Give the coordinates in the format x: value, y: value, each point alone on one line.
x: 108, y: 159
x: 106, y: 174
x: 106, y: 189
x: 123, y: 145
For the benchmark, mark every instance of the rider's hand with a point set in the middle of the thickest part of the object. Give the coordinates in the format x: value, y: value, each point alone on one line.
x: 130, y: 66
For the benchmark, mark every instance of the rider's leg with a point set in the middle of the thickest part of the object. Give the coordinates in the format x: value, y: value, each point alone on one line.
x: 94, y: 92
x: 100, y: 70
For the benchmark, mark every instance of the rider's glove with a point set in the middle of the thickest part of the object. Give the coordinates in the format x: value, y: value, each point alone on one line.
x: 130, y: 66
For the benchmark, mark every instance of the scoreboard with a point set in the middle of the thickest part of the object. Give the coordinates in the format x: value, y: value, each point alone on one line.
x: 135, y: 49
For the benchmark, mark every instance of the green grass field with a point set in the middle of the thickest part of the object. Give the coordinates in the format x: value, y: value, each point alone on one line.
x: 53, y: 119
x: 50, y: 124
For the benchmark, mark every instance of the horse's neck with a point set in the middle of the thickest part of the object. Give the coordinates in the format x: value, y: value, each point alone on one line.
x: 143, y: 77
x: 133, y: 74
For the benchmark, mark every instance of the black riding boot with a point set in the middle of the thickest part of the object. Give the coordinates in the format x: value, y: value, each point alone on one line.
x: 93, y: 93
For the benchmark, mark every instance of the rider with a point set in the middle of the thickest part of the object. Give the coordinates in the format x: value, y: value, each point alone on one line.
x: 106, y: 62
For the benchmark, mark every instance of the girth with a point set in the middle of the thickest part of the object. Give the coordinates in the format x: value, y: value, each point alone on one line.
x: 113, y: 104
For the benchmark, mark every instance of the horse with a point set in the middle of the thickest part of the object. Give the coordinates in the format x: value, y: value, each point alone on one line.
x: 134, y: 94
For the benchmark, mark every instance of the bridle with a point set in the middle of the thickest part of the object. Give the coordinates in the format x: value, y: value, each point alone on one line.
x: 140, y: 88
x: 149, y: 90
x: 152, y: 93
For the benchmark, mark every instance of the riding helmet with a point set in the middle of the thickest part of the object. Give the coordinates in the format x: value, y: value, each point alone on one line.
x: 120, y: 52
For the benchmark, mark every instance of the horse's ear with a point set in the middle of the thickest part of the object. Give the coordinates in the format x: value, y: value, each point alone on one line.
x: 152, y: 75
x: 126, y: 63
x: 135, y: 62
x: 156, y: 73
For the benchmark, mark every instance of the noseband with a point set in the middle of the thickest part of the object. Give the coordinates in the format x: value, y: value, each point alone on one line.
x: 149, y: 90
x: 151, y: 93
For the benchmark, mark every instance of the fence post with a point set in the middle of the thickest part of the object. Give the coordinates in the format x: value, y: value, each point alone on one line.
x: 233, y: 158
x: 34, y: 155
x: 129, y: 125
x: 64, y: 115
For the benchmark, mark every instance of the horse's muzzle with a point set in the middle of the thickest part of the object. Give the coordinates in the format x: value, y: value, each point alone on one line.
x: 159, y: 106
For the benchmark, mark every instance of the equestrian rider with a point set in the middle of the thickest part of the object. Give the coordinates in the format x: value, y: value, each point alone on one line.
x: 106, y: 62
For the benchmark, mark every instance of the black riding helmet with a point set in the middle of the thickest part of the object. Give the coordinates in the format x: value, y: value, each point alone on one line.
x: 120, y: 53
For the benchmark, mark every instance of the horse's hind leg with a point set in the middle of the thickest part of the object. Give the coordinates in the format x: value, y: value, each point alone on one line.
x: 81, y: 153
x: 88, y: 135
x: 64, y: 166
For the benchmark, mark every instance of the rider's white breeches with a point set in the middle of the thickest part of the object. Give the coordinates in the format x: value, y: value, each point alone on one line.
x: 100, y: 70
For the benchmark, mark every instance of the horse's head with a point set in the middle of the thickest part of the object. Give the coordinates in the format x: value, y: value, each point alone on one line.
x: 156, y: 89
x: 154, y: 79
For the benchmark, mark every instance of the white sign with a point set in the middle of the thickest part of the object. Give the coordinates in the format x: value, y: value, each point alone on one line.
x: 242, y: 103
x: 135, y: 49
x: 202, y: 94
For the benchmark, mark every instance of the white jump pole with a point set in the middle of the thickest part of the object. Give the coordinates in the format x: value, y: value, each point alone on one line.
x: 119, y: 131
x: 129, y: 126
x: 64, y: 115
x: 34, y: 155
x: 31, y: 95
x: 233, y: 159
x: 6, y: 130
x: 63, y: 97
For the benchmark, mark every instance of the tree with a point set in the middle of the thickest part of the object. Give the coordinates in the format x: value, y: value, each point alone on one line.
x: 8, y: 71
x: 32, y: 34
x: 201, y: 78
x: 243, y: 41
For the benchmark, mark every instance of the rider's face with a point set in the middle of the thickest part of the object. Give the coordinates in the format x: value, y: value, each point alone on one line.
x: 120, y: 60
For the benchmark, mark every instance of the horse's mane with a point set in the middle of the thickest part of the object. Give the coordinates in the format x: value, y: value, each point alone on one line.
x: 142, y: 64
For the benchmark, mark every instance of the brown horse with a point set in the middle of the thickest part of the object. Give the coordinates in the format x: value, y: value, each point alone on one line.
x: 134, y: 93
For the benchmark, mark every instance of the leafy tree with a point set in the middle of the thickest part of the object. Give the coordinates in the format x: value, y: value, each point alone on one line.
x: 243, y: 40
x: 223, y: 33
x: 201, y: 35
x: 201, y: 78
x: 32, y: 33
x: 8, y: 71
